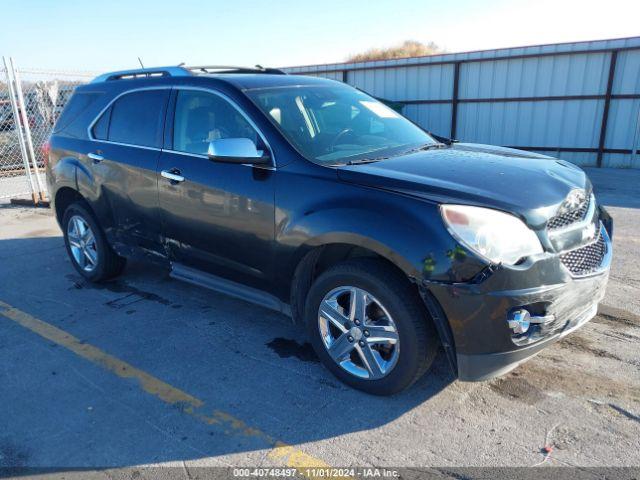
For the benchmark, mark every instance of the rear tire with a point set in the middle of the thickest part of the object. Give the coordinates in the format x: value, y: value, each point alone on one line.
x: 349, y: 348
x: 87, y: 246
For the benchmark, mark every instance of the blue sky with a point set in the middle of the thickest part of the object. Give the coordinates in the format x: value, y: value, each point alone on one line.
x: 103, y: 35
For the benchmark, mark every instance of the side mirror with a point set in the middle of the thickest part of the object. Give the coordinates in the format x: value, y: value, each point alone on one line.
x: 236, y: 150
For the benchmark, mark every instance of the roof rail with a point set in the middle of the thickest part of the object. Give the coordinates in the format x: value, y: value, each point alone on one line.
x: 233, y: 69
x: 182, y: 71
x: 143, y: 73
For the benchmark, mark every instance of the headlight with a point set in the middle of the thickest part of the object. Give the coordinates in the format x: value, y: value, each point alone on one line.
x: 497, y: 236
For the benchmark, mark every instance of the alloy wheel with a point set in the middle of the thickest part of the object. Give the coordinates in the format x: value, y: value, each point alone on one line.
x: 358, y: 332
x: 82, y: 243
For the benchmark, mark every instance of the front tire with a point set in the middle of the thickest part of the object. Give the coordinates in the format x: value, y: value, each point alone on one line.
x: 87, y: 247
x: 369, y: 326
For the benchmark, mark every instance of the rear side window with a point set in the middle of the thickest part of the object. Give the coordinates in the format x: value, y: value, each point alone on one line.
x: 77, y: 104
x: 137, y: 118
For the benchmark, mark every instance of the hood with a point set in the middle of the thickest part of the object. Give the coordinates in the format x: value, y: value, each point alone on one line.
x: 529, y: 185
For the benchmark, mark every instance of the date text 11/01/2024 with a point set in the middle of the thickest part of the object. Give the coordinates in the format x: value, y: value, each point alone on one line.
x: 316, y: 472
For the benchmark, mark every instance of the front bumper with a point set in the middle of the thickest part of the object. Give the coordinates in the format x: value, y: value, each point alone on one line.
x: 485, y: 346
x: 479, y: 367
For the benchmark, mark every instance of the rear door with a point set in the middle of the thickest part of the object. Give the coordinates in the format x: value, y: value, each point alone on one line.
x: 126, y: 149
x: 220, y: 218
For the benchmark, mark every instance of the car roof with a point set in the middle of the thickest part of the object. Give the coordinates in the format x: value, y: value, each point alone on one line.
x: 243, y: 78
x: 254, y: 81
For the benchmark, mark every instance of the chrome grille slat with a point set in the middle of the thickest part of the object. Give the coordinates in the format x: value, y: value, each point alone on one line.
x: 587, y: 259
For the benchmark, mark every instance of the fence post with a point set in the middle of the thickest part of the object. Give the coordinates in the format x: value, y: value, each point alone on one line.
x: 454, y: 100
x: 607, y: 103
x: 635, y: 146
x: 27, y: 130
x: 18, y: 127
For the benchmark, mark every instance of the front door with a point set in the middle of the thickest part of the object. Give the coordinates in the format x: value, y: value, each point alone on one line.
x: 216, y: 217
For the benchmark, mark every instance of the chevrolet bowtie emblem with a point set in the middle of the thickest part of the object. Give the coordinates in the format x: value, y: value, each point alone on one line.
x: 575, y: 199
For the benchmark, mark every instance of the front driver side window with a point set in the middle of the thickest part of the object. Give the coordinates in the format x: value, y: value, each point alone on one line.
x: 202, y: 117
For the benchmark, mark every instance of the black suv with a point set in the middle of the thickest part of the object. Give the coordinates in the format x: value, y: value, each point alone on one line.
x: 310, y: 197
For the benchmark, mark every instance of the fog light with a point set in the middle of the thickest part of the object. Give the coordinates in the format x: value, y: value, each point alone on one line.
x: 519, y: 321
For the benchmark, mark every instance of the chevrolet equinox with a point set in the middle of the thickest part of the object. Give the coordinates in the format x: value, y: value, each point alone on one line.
x: 310, y: 197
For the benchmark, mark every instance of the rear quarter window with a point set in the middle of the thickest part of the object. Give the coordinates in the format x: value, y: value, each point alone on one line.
x: 77, y: 104
x: 100, y: 130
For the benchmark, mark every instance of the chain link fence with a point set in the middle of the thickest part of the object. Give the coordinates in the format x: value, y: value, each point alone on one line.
x: 14, y: 181
x: 31, y: 101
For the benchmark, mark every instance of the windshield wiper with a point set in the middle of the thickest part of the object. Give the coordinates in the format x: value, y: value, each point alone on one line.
x: 428, y: 146
x: 360, y: 161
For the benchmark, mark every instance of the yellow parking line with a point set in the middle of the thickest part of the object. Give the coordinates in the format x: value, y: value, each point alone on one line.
x: 287, y: 454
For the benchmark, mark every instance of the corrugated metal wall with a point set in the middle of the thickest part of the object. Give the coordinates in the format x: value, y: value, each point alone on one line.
x: 579, y: 101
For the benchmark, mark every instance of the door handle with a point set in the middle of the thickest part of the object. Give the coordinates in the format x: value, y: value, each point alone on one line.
x: 173, y: 175
x: 96, y: 157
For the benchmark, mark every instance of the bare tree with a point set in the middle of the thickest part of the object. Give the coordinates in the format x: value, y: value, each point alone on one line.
x: 408, y: 48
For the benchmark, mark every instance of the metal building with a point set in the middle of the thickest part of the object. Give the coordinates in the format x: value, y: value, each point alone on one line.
x: 578, y: 101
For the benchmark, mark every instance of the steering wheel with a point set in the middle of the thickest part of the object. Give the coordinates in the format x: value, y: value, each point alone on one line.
x: 342, y: 133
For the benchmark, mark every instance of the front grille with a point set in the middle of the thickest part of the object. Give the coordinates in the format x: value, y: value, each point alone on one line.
x: 587, y: 259
x: 567, y: 218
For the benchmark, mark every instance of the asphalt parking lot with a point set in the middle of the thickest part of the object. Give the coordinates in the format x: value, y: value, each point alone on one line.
x: 146, y: 370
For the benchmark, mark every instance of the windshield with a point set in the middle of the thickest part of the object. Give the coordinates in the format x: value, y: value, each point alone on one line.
x: 332, y: 124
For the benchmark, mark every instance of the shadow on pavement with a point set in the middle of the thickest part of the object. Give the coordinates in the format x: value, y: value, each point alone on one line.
x: 64, y: 411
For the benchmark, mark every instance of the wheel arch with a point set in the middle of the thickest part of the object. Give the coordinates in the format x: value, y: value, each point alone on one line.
x: 66, y: 177
x: 317, y: 256
x: 321, y: 253
x: 64, y: 197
